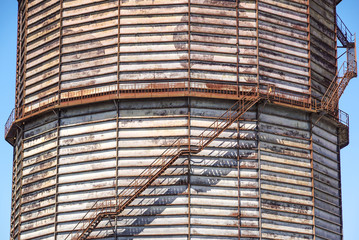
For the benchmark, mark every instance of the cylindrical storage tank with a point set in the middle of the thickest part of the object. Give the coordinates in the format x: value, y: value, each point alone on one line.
x: 105, y: 86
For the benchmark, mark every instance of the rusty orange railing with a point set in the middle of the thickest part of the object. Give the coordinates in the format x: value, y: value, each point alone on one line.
x: 343, y: 32
x: 181, y: 147
x: 330, y: 99
x: 177, y: 149
x: 246, y: 98
x: 133, y: 90
x: 143, y: 90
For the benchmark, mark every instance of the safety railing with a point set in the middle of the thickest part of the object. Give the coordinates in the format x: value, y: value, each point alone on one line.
x: 133, y: 90
x: 345, y: 73
x: 165, y: 89
x: 141, y: 90
x: 159, y: 165
x: 130, y: 90
x: 9, y: 122
x: 343, y: 117
x: 146, y: 177
x: 329, y: 96
x: 97, y: 209
x: 343, y: 32
x: 223, y: 122
x: 291, y: 99
x: 40, y: 104
x: 343, y: 128
x: 352, y: 67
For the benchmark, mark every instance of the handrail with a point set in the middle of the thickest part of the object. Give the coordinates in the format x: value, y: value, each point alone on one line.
x: 178, y: 148
x: 123, y: 90
x: 10, y: 121
x: 133, y: 89
x: 331, y: 97
x: 343, y: 33
x: 343, y: 117
x: 139, y: 90
x: 123, y: 195
x: 247, y: 98
x: 333, y: 87
x: 98, y: 206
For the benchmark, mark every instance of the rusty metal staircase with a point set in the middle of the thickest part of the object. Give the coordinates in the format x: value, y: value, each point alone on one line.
x: 345, y: 73
x: 181, y: 147
x: 108, y: 209
x: 330, y: 101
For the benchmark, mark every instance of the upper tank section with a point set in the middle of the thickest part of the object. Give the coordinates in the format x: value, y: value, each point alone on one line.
x: 68, y: 50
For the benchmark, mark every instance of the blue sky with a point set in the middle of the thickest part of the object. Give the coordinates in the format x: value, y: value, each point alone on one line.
x: 348, y: 10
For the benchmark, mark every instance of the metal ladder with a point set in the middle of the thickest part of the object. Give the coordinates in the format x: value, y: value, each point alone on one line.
x: 102, y: 209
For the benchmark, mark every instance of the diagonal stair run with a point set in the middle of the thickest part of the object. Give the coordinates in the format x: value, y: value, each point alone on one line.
x: 331, y: 98
x: 329, y: 104
x: 181, y: 147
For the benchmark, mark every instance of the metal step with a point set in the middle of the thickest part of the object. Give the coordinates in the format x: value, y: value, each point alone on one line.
x: 165, y: 160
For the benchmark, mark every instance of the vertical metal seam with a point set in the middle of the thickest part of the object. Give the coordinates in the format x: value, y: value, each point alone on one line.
x: 237, y: 45
x: 238, y: 122
x: 309, y: 51
x: 117, y: 202
x: 14, y: 182
x: 189, y: 167
x: 13, y: 200
x: 117, y: 159
x: 18, y: 56
x: 60, y: 51
x: 311, y: 126
x: 25, y: 61
x: 12, y: 194
x: 189, y: 45
x: 257, y: 27
x: 340, y: 185
x: 257, y: 130
x: 259, y: 172
x: 21, y: 175
x: 239, y: 180
x: 57, y: 170
x: 118, y: 47
x: 188, y: 120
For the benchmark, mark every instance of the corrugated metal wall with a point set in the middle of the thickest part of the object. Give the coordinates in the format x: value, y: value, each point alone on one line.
x: 105, y: 45
x: 275, y: 174
x: 323, y: 48
x: 327, y: 183
x: 255, y: 180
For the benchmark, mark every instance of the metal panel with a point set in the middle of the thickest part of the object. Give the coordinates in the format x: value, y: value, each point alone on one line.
x: 273, y: 174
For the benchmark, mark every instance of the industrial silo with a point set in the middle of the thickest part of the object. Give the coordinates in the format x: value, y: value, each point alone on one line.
x: 178, y: 119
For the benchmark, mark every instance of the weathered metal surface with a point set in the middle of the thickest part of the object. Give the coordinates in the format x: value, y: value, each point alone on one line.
x: 270, y: 175
x: 282, y: 193
x: 154, y: 40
